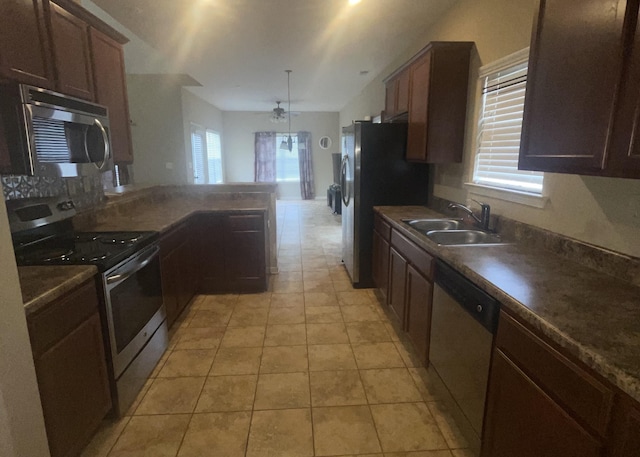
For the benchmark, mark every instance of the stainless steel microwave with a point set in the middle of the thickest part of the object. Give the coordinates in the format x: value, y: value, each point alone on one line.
x: 51, y: 134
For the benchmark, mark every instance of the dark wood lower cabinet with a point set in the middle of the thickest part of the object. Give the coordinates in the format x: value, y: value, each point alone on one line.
x: 540, y: 402
x: 397, y: 284
x: 625, y: 439
x: 409, y: 270
x: 418, y: 309
x: 71, y: 370
x: 178, y: 266
x: 232, y: 254
x: 212, y: 253
x: 522, y: 420
x: 381, y: 264
x: 244, y: 255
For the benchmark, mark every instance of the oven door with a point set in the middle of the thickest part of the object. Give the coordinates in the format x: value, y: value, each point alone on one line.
x: 134, y: 305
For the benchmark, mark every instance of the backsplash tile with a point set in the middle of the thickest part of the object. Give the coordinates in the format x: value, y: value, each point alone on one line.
x: 86, y: 192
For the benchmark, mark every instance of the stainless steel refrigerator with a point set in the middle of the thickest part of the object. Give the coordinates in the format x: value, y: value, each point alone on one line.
x: 374, y: 172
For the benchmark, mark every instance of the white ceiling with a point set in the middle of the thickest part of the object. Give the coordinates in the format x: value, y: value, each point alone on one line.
x: 239, y: 49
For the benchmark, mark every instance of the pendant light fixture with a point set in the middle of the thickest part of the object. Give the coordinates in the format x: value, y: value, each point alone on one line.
x: 288, y: 143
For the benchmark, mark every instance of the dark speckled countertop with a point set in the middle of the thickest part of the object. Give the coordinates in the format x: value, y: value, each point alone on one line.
x: 42, y: 285
x: 593, y: 316
x: 162, y: 216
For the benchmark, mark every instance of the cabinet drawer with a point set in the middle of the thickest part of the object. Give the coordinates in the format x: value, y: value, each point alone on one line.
x: 246, y: 222
x: 422, y: 261
x: 60, y: 318
x: 382, y: 227
x: 572, y: 387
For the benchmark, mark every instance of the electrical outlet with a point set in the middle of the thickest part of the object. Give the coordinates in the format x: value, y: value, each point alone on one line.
x: 169, y: 165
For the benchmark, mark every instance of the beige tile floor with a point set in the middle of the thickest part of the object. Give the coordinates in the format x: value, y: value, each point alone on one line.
x: 310, y: 368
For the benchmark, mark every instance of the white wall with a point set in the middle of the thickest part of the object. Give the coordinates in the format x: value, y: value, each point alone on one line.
x: 199, y: 112
x: 238, y: 146
x: 22, y: 430
x: 157, y: 130
x: 600, y: 211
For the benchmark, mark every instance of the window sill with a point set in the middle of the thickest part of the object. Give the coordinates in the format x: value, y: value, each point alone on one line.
x: 514, y: 196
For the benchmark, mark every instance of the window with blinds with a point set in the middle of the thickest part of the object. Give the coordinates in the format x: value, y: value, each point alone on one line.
x: 214, y: 157
x: 206, y: 155
x: 197, y: 152
x: 498, y: 142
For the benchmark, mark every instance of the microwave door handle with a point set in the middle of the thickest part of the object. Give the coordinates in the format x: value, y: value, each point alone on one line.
x: 105, y: 140
x: 120, y: 277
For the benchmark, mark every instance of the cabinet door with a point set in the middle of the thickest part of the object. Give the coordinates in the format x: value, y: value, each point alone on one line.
x: 5, y: 157
x: 397, y: 283
x: 25, y: 54
x: 211, y: 255
x: 186, y: 273
x: 390, y: 98
x: 625, y: 441
x: 74, y: 388
x: 624, y: 155
x: 522, y: 420
x: 574, y: 70
x: 381, y: 263
x: 244, y: 253
x: 72, y: 54
x: 419, y: 299
x: 418, y: 109
x: 402, y: 95
x: 111, y: 90
x: 170, y: 268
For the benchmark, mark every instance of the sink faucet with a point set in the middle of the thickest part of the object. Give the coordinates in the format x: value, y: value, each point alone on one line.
x: 485, y: 212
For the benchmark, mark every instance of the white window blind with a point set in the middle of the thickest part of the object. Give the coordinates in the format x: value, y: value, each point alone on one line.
x: 197, y: 153
x: 499, y: 129
x: 214, y: 157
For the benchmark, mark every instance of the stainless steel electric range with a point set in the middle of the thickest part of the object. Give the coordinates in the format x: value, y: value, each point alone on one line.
x: 134, y: 315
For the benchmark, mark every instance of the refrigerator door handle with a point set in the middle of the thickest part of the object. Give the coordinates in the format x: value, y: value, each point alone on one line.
x: 346, y: 193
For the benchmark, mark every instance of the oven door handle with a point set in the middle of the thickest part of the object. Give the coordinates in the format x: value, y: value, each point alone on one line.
x: 139, y: 265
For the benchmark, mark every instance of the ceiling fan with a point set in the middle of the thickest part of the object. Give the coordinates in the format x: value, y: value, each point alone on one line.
x: 278, y: 114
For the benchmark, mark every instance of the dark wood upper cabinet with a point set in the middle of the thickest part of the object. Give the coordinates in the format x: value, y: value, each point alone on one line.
x: 432, y: 87
x: 72, y: 53
x: 25, y: 52
x: 624, y: 159
x: 111, y: 90
x: 5, y: 157
x: 582, y: 89
x: 397, y: 95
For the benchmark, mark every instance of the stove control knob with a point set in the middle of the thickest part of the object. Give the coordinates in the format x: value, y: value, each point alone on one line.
x: 66, y: 206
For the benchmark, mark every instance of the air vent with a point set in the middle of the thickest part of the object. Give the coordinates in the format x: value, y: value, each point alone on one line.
x: 51, y: 144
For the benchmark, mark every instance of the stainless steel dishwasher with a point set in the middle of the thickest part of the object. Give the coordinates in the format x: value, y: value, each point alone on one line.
x: 463, y: 323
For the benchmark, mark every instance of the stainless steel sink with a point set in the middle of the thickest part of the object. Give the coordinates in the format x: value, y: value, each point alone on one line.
x: 426, y: 225
x: 464, y: 237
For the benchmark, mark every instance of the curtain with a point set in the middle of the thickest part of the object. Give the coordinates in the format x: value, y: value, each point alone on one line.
x: 307, y: 188
x: 265, y: 161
